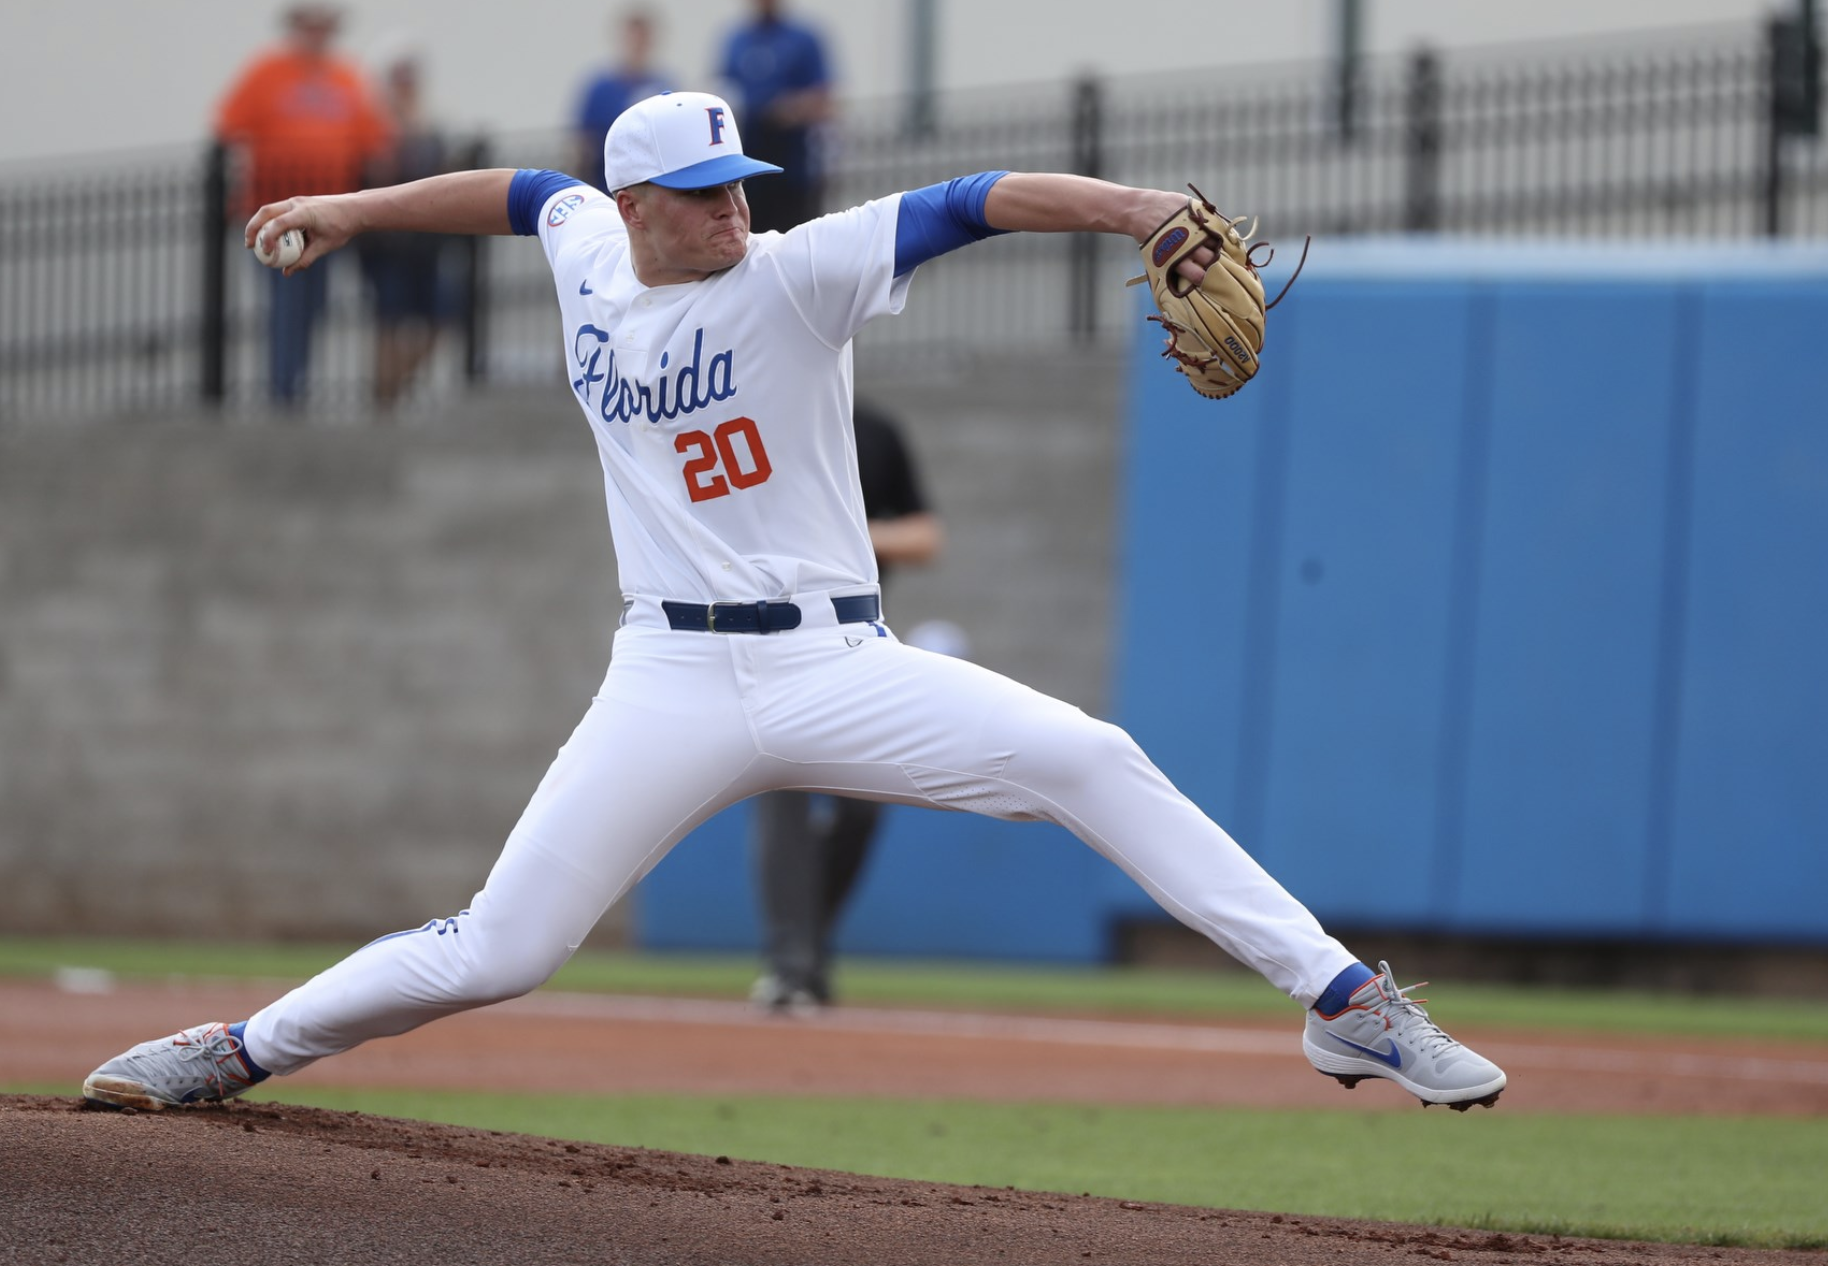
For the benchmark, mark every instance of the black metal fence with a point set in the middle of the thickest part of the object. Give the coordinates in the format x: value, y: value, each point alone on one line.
x: 122, y: 287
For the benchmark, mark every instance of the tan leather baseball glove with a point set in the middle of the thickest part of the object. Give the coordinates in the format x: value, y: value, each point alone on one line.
x: 1215, y: 326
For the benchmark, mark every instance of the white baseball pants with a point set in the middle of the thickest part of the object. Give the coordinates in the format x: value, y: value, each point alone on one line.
x: 688, y: 723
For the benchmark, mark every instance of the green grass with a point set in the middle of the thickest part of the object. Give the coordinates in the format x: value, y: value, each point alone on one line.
x: 1739, y: 1181
x: 1107, y: 990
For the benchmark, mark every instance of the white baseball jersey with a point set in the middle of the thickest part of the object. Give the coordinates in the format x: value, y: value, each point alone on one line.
x: 722, y: 407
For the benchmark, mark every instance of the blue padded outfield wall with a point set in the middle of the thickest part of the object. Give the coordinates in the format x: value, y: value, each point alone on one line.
x: 1497, y: 605
x: 1511, y: 579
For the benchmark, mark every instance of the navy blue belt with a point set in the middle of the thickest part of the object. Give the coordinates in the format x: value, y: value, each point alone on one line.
x: 763, y: 617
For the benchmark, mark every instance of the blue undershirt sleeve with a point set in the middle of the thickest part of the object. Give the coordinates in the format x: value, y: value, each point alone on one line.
x: 528, y: 192
x: 941, y: 218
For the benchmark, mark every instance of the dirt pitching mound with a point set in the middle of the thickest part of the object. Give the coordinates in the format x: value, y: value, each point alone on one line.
x: 269, y: 1182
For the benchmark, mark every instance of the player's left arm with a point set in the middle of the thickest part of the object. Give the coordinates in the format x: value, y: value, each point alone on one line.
x: 945, y: 216
x: 1054, y: 202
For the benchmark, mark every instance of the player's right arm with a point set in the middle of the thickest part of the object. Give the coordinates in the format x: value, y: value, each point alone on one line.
x: 468, y: 202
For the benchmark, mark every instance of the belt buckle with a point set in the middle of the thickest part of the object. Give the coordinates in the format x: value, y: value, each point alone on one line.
x: 711, y: 614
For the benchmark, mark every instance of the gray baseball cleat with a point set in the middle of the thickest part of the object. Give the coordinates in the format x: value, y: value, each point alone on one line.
x: 1381, y: 1032
x: 199, y: 1065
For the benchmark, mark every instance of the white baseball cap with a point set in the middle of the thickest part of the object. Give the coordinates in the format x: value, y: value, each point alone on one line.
x: 677, y: 140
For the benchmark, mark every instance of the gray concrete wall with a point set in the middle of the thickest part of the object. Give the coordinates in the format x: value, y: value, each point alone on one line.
x: 260, y: 679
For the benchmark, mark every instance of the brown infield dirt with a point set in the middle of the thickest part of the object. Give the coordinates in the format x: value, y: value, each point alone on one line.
x: 260, y: 1182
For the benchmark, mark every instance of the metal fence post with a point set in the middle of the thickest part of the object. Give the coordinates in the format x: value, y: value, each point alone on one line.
x: 1809, y: 103
x: 1774, y: 128
x: 1422, y: 144
x: 213, y: 333
x: 1348, y: 55
x: 923, y: 38
x: 1792, y: 100
x: 1777, y: 44
x: 1796, y: 70
x: 475, y: 287
x: 1088, y: 160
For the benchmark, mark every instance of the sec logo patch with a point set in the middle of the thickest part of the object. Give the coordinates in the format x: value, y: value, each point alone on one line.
x: 562, y: 209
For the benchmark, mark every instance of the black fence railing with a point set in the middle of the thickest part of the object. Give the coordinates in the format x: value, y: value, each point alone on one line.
x: 124, y: 289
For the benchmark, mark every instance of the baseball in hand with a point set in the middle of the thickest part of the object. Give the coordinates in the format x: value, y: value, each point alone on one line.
x: 285, y: 252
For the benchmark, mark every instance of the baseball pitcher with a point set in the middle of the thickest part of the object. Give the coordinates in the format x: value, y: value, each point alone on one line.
x: 714, y: 367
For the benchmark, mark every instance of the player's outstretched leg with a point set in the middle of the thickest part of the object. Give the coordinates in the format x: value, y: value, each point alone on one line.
x: 1381, y: 1032
x: 200, y: 1065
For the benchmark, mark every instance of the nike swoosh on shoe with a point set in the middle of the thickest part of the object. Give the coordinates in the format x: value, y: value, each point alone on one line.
x: 1392, y: 1057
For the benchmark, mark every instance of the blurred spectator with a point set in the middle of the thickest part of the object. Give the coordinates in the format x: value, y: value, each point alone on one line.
x: 778, y: 78
x: 306, y: 123
x: 810, y: 849
x: 613, y: 90
x: 404, y: 270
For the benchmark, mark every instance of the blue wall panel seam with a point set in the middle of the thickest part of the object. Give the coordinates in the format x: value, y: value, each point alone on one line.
x: 1672, y: 641
x: 1256, y: 722
x: 1463, y: 601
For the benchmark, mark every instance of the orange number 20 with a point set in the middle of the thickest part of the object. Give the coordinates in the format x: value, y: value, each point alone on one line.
x: 742, y: 467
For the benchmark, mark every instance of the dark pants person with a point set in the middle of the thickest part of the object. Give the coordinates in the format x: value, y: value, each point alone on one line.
x: 796, y: 195
x: 809, y: 850
x: 295, y: 305
x: 404, y: 272
x: 780, y: 206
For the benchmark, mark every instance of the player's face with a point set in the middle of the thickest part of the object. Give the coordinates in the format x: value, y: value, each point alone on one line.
x: 697, y: 231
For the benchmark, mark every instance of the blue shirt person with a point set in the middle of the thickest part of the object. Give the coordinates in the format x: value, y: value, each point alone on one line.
x: 779, y: 75
x: 613, y: 90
